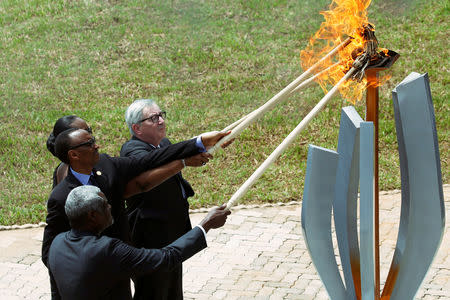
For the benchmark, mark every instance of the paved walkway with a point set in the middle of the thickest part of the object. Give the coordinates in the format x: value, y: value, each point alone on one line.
x: 259, y: 254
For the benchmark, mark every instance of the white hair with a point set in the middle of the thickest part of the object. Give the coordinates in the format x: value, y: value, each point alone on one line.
x: 134, y: 112
x: 82, y: 200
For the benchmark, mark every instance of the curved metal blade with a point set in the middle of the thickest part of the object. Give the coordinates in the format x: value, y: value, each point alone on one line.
x: 422, y: 217
x: 317, y: 202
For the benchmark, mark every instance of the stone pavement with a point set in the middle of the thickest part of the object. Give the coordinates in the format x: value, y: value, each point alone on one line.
x: 259, y: 254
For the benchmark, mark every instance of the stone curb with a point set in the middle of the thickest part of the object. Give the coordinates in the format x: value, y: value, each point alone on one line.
x: 24, y: 226
x: 200, y: 210
x: 238, y: 207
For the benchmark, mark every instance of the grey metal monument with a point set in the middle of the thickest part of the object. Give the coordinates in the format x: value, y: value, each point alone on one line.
x: 422, y: 210
x: 422, y: 218
x: 316, y: 216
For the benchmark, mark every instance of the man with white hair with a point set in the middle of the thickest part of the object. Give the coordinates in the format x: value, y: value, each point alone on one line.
x: 161, y: 215
x: 88, y: 266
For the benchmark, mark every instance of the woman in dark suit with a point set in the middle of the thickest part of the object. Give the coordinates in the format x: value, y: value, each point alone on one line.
x: 62, y: 124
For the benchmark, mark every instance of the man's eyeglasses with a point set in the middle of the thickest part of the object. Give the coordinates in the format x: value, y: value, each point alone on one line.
x: 155, y: 118
x: 89, y: 129
x: 89, y: 143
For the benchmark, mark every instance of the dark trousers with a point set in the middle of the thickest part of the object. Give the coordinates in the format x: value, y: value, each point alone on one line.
x: 53, y: 288
x: 160, y: 285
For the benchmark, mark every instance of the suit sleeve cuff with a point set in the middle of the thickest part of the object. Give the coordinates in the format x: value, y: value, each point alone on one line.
x: 203, y: 230
x: 199, y: 144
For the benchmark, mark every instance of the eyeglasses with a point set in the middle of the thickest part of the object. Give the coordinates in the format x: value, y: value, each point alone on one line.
x: 155, y: 118
x: 89, y: 129
x: 90, y: 143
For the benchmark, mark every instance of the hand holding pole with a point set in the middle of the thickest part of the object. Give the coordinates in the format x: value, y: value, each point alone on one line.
x: 252, y: 117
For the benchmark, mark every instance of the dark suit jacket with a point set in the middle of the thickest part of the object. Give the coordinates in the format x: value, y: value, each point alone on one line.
x: 164, y: 209
x: 89, y: 267
x: 112, y: 175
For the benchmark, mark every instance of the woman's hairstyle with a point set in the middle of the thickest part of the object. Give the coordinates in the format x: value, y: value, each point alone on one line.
x: 61, y: 125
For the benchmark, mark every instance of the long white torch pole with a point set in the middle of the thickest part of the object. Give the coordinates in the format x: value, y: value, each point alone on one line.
x: 305, y: 83
x: 278, y: 97
x: 287, y: 141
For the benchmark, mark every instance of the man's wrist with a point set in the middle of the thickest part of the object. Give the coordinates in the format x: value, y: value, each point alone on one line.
x: 204, y: 225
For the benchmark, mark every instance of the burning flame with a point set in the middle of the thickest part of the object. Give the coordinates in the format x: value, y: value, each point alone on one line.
x: 345, y: 18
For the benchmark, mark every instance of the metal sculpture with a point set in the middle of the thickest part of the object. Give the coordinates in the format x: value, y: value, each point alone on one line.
x: 422, y: 216
x: 316, y: 217
x: 345, y: 199
x: 367, y: 210
x: 422, y: 213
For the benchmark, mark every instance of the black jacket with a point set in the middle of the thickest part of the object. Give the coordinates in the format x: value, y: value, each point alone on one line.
x: 89, y: 267
x: 112, y: 174
x: 164, y: 209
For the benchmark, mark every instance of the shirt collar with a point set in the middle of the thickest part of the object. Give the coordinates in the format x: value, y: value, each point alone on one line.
x: 83, y: 178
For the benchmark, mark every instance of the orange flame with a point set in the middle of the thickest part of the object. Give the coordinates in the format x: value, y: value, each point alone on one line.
x: 345, y: 18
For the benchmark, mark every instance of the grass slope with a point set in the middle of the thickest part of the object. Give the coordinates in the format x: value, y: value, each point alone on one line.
x: 207, y: 63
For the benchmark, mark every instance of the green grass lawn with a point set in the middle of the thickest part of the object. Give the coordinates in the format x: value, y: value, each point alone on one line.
x: 207, y: 63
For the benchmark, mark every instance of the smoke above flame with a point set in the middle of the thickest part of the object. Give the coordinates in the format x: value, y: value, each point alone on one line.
x: 345, y: 18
